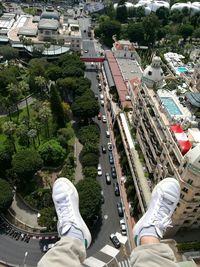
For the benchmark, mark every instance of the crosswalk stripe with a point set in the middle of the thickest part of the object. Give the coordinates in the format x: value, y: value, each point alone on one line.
x: 124, y: 263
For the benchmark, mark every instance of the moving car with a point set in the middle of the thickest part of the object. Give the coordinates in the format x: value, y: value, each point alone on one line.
x: 115, y: 240
x: 120, y: 209
x: 104, y: 118
x: 108, y: 180
x: 103, y: 148
x: 113, y: 172
x: 116, y: 188
x: 111, y: 160
x: 99, y: 170
x: 123, y: 227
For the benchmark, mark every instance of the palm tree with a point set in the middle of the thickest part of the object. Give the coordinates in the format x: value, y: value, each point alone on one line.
x: 7, y: 103
x: 32, y: 133
x: 9, y: 129
x: 41, y: 82
x: 43, y: 116
x: 24, y: 87
x: 14, y: 93
x: 22, y: 133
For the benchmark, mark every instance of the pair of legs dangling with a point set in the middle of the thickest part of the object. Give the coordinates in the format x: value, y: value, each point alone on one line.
x: 70, y: 250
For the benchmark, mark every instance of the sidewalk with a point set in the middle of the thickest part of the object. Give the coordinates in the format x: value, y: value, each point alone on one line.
x: 23, y: 213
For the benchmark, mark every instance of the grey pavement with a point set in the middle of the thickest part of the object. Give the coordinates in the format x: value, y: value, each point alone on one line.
x: 78, y: 171
x: 24, y: 213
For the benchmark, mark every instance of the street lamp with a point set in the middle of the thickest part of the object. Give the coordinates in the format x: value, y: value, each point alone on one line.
x: 25, y: 255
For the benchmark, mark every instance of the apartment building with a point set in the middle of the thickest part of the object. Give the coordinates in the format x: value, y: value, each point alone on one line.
x: 160, y: 122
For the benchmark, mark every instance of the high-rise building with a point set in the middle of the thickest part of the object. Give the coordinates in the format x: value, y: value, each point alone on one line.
x: 169, y: 141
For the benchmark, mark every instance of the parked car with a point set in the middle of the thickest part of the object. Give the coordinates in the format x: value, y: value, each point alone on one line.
x: 123, y: 227
x: 108, y: 180
x: 120, y: 209
x: 107, y: 134
x: 101, y: 95
x: 96, y: 96
x: 111, y: 160
x: 102, y: 197
x: 109, y: 146
x: 116, y: 188
x: 102, y: 103
x: 113, y: 172
x: 99, y: 170
x: 115, y: 240
x: 103, y: 148
x: 99, y: 116
x: 104, y: 118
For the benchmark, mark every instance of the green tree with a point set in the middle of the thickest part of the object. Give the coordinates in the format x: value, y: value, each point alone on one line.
x: 6, y: 152
x: 151, y: 25
x: 25, y: 163
x: 108, y: 28
x: 89, y: 134
x: 136, y: 32
x: 9, y: 52
x: 89, y: 159
x: 52, y: 153
x: 41, y: 82
x: 14, y: 94
x: 56, y: 107
x: 48, y: 219
x: 6, y: 195
x: 54, y: 72
x: 64, y: 135
x: 163, y: 14
x: 89, y: 192
x: 32, y: 134
x: 186, y: 30
x: 41, y: 198
x: 121, y: 12
x: 43, y: 116
x: 85, y: 106
x: 90, y: 172
x: 196, y: 33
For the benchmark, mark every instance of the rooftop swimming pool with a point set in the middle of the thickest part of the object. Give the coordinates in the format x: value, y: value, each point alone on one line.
x: 171, y: 106
x: 181, y: 69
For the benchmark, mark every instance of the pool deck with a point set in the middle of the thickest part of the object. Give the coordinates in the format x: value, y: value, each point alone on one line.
x: 167, y: 119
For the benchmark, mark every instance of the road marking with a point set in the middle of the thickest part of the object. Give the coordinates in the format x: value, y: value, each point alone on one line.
x: 105, y: 217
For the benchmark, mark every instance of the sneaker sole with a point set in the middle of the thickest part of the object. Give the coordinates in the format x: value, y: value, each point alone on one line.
x: 137, y: 229
x: 85, y: 230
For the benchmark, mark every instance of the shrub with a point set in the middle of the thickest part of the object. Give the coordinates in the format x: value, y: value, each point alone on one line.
x: 90, y: 172
x: 68, y: 169
x: 41, y: 198
x: 89, y: 159
x: 89, y: 134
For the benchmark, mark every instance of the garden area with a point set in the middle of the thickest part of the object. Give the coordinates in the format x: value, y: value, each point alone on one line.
x: 38, y: 133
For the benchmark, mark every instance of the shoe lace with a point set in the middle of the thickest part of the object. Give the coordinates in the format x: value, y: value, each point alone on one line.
x: 65, y: 211
x: 161, y: 218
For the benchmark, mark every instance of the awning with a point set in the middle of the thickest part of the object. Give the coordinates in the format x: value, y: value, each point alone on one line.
x: 181, y: 137
x: 193, y: 98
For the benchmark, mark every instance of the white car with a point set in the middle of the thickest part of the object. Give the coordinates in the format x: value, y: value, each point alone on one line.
x: 99, y: 170
x: 123, y: 227
x: 101, y: 96
x: 102, y: 103
x: 107, y: 134
x: 104, y: 118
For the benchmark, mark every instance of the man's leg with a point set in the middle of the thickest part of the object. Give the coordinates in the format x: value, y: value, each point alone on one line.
x: 75, y: 236
x: 151, y: 227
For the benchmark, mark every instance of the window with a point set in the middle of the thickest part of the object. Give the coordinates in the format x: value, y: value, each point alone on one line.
x: 182, y: 196
x: 189, y: 208
x: 195, y: 210
x: 150, y: 72
x: 185, y: 190
x: 187, y: 221
x: 189, y: 181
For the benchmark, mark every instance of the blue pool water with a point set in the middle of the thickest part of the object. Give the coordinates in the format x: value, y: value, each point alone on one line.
x: 181, y: 69
x: 171, y: 106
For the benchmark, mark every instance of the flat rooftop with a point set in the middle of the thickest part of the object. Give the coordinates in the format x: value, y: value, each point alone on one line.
x: 130, y: 68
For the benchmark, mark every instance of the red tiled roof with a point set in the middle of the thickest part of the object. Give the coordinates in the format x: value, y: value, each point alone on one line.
x: 118, y: 79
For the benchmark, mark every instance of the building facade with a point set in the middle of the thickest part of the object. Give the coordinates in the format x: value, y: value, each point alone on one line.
x: 166, y: 154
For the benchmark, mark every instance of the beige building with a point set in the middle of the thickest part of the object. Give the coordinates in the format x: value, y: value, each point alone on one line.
x: 196, y: 77
x: 168, y: 150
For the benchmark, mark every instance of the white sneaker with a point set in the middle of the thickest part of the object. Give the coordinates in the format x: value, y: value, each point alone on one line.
x: 164, y: 200
x: 66, y: 200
